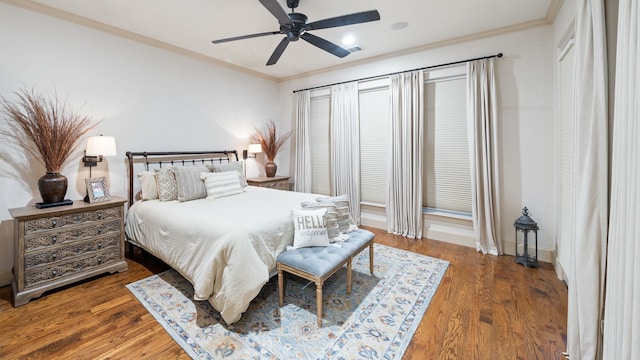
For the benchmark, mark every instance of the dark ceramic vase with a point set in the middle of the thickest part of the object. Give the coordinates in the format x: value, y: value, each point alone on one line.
x: 270, y: 168
x: 53, y: 187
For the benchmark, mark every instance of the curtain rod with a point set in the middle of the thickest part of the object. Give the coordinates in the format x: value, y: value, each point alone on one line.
x: 400, y: 72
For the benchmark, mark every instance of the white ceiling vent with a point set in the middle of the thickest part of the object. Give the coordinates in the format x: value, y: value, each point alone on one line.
x: 355, y: 48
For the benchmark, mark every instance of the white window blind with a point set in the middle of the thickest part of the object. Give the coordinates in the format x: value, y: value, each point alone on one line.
x: 374, y: 129
x: 567, y: 128
x: 319, y: 138
x: 447, y: 177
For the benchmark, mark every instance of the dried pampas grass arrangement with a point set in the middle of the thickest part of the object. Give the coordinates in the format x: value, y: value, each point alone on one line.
x: 270, y: 141
x: 45, y: 128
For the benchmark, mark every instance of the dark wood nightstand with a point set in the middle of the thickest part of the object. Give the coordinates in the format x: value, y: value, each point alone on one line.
x: 276, y: 182
x: 62, y: 245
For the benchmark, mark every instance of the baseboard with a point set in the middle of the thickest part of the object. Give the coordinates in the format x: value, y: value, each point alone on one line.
x: 449, y: 234
x: 5, y: 277
x: 509, y: 248
x: 457, y: 231
x: 560, y: 272
x: 373, y: 216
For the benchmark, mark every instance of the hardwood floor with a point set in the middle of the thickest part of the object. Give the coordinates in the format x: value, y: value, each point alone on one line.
x: 486, y: 307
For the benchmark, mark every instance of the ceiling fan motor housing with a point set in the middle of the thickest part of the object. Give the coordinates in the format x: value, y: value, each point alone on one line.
x: 294, y: 30
x: 292, y: 4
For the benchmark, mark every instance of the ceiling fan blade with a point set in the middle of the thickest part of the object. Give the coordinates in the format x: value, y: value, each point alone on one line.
x: 278, y: 51
x: 245, y: 37
x: 325, y: 45
x: 357, y: 18
x: 277, y: 11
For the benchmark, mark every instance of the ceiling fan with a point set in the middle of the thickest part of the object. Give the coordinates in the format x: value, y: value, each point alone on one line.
x: 294, y: 26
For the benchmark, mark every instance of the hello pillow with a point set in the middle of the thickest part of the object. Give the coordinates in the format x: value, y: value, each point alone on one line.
x: 309, y: 228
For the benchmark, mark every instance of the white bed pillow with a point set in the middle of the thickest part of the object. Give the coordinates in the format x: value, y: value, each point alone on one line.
x: 167, y: 186
x: 220, y: 184
x: 148, y: 185
x: 345, y: 219
x: 230, y: 166
x: 190, y: 185
x: 310, y: 228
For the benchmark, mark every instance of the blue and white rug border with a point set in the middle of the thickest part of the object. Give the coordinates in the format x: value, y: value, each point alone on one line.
x: 165, y: 321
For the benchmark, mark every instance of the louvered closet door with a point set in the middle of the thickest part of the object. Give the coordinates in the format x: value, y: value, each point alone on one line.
x: 567, y: 129
x: 447, y: 177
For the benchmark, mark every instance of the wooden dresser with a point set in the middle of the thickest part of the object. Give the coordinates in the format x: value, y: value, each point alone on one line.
x: 276, y: 182
x: 61, y: 245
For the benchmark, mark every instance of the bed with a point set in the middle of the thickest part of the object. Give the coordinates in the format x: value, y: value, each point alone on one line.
x: 226, y: 247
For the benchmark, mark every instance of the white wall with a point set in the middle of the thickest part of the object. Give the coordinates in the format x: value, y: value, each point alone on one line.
x: 149, y: 99
x: 524, y: 78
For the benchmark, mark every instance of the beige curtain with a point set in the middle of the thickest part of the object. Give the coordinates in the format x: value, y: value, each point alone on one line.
x: 588, y: 245
x: 345, y: 144
x: 404, y: 164
x: 622, y: 305
x: 303, y: 175
x: 482, y: 124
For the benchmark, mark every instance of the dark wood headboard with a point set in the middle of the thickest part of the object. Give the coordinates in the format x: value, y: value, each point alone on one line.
x: 174, y: 158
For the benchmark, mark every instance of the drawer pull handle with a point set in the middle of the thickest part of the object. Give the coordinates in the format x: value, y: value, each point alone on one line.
x: 99, y: 215
x: 54, y: 256
x: 99, y: 230
x: 54, y: 223
x: 54, y: 239
x: 54, y: 272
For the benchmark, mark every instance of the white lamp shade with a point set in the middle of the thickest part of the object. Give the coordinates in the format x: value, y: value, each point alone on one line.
x: 255, y: 148
x: 101, y: 145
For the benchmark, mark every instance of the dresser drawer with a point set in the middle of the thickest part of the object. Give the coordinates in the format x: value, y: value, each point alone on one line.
x: 62, y: 253
x: 56, y: 237
x: 280, y: 185
x: 62, y: 221
x: 276, y: 182
x: 64, y: 269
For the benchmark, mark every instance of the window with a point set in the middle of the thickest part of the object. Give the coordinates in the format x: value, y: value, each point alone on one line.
x: 319, y: 139
x: 447, y: 177
x: 446, y: 171
x: 374, y: 129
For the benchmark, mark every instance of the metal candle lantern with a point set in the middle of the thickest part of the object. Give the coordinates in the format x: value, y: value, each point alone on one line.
x: 524, y: 224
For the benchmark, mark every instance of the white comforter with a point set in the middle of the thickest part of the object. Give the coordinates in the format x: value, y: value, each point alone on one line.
x: 224, y: 247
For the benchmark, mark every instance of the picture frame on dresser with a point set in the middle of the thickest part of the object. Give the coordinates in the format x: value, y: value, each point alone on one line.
x: 97, y: 189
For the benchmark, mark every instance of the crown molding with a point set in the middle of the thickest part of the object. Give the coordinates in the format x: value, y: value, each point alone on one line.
x: 109, y: 29
x: 434, y: 45
x: 554, y: 10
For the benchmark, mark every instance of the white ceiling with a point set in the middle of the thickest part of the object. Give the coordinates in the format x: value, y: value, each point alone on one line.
x: 188, y: 26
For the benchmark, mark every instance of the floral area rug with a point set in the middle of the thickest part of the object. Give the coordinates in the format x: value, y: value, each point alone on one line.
x: 376, y: 321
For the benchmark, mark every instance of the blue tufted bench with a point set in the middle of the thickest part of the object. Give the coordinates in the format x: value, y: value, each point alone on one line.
x: 318, y: 263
